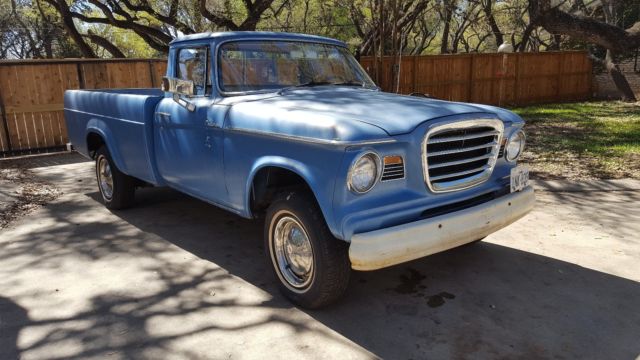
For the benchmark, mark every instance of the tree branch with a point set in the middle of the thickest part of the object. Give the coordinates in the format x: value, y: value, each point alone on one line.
x: 106, y: 44
x: 583, y: 28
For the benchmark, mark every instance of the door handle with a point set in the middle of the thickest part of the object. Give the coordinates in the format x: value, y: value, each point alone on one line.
x: 210, y: 123
x: 163, y: 119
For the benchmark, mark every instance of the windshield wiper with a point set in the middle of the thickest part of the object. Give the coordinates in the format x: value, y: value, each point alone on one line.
x: 349, y: 83
x: 307, y: 84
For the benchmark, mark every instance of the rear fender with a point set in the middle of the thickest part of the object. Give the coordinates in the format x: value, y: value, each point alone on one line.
x: 99, y: 127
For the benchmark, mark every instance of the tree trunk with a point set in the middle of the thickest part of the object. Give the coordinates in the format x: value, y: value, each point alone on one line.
x: 106, y: 44
x: 448, y: 13
x: 67, y: 19
x: 618, y: 78
x: 488, y: 11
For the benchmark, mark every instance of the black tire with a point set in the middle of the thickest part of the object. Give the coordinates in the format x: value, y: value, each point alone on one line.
x: 474, y: 242
x: 123, y: 186
x: 330, y: 270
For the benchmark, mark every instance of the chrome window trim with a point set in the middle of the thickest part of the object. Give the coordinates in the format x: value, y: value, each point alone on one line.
x: 216, y: 64
x: 207, y: 46
x: 466, y: 183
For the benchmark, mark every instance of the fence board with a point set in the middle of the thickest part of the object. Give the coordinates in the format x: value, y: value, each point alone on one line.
x: 33, y: 90
x: 33, y: 94
x: 499, y: 79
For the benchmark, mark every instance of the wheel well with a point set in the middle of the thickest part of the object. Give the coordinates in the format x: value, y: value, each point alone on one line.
x: 270, y: 180
x: 94, y: 141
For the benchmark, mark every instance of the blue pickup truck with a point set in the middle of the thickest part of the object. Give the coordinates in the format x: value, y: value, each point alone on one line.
x: 289, y: 128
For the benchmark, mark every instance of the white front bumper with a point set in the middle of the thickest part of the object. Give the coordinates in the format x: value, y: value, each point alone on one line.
x: 397, y: 244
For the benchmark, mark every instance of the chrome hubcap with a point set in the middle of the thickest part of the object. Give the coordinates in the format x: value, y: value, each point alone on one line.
x: 292, y: 252
x: 105, y: 178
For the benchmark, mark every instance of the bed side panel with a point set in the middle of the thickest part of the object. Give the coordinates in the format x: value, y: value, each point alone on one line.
x: 124, y: 120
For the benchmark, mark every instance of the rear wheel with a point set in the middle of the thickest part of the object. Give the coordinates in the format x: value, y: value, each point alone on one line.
x: 117, y: 189
x: 312, y: 267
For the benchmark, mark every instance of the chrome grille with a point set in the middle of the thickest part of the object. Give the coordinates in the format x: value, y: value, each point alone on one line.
x: 461, y: 154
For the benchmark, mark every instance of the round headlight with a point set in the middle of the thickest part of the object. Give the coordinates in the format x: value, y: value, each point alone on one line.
x: 515, y: 145
x: 364, y: 173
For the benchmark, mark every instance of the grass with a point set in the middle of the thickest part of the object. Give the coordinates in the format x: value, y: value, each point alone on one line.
x: 583, y: 140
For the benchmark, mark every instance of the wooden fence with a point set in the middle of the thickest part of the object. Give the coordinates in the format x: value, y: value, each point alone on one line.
x: 31, y: 91
x: 31, y: 96
x: 498, y: 79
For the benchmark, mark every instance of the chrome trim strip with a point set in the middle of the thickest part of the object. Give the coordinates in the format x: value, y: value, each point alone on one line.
x: 104, y: 116
x: 465, y: 137
x: 313, y: 140
x: 446, y: 176
x: 455, y: 151
x: 474, y: 180
x: 458, y: 162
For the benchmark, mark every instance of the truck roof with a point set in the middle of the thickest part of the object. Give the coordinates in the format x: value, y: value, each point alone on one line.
x: 257, y: 35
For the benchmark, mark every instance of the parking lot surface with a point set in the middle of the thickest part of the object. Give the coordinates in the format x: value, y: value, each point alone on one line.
x: 174, y: 277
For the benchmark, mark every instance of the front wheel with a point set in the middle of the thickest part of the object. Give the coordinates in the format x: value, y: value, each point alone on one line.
x: 311, y: 265
x: 117, y: 189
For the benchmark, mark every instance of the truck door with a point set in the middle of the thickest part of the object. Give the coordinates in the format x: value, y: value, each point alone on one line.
x: 187, y: 133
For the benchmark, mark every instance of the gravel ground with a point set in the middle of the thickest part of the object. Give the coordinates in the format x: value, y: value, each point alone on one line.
x: 176, y: 278
x: 21, y: 192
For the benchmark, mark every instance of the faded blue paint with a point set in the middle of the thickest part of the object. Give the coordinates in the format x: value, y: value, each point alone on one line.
x: 314, y: 132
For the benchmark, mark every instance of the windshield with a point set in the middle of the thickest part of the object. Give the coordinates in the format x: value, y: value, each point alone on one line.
x: 273, y: 65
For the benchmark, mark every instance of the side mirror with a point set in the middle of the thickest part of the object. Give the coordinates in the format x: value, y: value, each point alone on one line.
x: 178, y: 86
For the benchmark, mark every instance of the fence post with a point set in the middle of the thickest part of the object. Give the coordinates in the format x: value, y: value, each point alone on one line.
x: 152, y: 74
x: 516, y: 99
x: 559, y: 75
x: 80, y: 75
x: 591, y: 91
x: 415, y: 74
x: 471, y: 78
x: 5, y: 125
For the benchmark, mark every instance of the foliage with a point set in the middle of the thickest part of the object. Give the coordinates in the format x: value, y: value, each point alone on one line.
x: 31, y: 31
x: 590, y: 139
x: 143, y: 28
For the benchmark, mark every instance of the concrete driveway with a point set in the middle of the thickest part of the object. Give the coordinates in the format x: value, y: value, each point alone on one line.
x: 177, y: 278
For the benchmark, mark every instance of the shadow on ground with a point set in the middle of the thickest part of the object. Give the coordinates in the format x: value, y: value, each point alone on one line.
x: 12, y: 318
x: 483, y: 300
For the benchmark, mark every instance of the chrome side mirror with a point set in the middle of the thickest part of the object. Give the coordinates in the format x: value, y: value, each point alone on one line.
x: 178, y: 86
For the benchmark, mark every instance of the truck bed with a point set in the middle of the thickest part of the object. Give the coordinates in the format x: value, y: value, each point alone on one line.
x: 123, y: 118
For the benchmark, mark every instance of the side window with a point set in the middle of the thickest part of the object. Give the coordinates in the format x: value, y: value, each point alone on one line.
x: 193, y: 64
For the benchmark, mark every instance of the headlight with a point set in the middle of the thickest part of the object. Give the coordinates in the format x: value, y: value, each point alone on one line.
x: 364, y: 173
x: 515, y: 145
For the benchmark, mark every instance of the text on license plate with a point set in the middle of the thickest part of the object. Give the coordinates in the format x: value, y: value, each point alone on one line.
x: 519, y: 178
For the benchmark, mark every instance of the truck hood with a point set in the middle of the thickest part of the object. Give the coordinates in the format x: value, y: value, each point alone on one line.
x: 345, y: 113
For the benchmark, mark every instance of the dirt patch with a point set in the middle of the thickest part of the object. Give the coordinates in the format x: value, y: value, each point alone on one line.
x: 24, y: 192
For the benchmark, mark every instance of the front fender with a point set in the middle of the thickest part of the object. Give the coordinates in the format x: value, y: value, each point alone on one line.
x: 316, y: 182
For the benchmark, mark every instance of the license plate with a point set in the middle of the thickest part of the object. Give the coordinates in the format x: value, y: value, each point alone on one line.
x: 519, y: 178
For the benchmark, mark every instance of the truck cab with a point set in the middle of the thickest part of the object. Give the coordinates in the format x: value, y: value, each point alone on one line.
x: 289, y: 128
